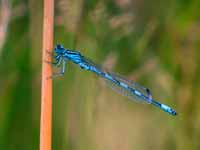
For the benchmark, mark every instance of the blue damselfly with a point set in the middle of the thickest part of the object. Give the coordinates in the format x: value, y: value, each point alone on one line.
x: 123, y: 86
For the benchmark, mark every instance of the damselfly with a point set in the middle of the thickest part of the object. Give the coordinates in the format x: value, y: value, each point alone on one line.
x: 123, y: 86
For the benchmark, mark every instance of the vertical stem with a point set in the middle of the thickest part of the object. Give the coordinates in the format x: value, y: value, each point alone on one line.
x: 46, y: 94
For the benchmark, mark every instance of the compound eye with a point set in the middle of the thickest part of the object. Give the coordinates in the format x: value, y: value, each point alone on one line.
x: 59, y: 46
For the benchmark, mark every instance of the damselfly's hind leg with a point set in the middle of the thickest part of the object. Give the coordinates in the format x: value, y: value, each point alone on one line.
x: 62, y: 71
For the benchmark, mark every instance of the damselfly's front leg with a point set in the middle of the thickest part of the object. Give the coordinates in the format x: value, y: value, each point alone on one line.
x: 49, y: 62
x: 57, y: 62
x: 49, y: 53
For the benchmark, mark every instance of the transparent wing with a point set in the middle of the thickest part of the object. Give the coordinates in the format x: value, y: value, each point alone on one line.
x: 91, y: 63
x: 124, y: 92
x: 119, y: 89
x: 133, y: 85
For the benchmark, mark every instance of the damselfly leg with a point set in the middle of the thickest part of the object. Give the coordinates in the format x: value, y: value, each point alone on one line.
x: 49, y: 53
x: 62, y: 70
x: 60, y: 63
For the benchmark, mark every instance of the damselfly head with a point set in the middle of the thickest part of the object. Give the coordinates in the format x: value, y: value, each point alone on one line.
x: 59, y: 49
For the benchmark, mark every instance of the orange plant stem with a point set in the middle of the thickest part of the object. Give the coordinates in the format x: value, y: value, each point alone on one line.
x: 46, y: 94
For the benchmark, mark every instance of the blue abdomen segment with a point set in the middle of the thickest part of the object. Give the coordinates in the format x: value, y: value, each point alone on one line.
x: 84, y: 66
x: 164, y: 107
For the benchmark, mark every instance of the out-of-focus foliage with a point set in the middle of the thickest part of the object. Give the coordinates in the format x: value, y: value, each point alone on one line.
x: 155, y: 43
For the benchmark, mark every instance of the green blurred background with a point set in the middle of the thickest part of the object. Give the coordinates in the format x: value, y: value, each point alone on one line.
x: 156, y: 43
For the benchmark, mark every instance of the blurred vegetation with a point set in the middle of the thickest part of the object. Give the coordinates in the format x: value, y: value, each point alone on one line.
x: 156, y: 43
